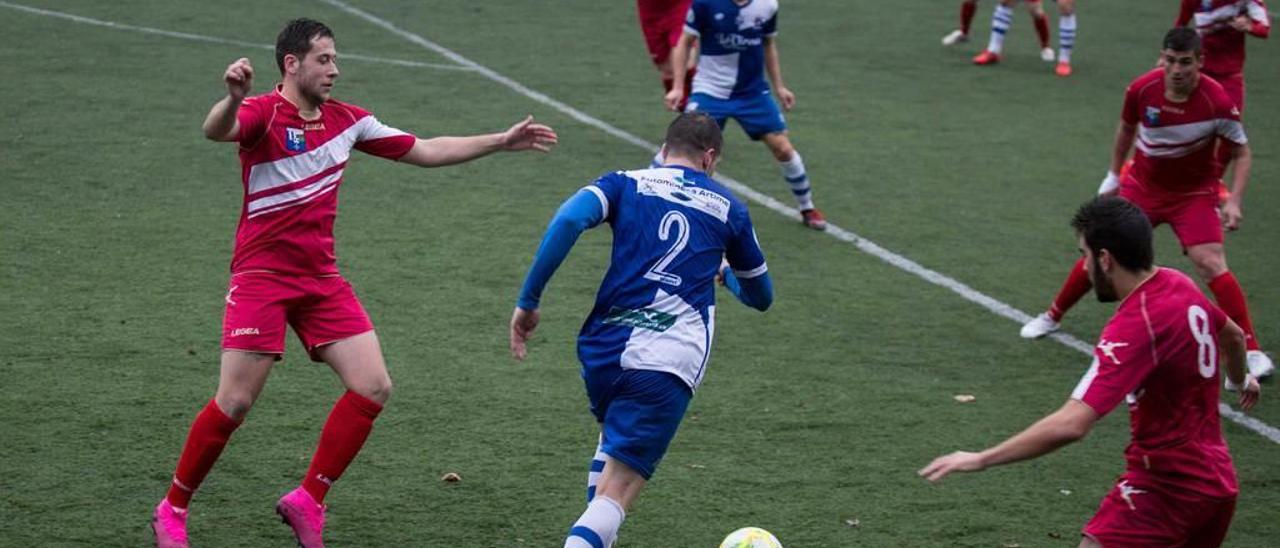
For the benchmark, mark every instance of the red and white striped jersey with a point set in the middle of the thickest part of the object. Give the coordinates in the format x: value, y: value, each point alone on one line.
x: 1223, y: 44
x: 291, y: 169
x: 1175, y: 140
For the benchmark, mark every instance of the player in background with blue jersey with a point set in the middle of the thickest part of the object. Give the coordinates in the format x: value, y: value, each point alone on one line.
x: 644, y: 347
x: 737, y: 49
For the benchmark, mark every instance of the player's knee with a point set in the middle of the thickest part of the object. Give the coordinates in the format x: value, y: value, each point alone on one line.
x: 234, y: 403
x: 782, y: 150
x: 378, y: 389
x: 1209, y: 266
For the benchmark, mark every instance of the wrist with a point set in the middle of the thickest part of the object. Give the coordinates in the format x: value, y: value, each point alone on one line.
x: 1238, y: 386
x: 1109, y: 183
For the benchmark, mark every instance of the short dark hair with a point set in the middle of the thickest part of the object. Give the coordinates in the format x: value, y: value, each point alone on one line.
x: 693, y: 133
x: 1182, y: 39
x: 1118, y: 226
x: 295, y: 39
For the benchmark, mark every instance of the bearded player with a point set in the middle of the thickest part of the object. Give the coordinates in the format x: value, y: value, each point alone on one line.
x: 1174, y: 114
x: 1160, y: 353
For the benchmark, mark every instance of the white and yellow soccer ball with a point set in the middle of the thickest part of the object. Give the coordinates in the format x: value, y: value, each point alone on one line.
x: 750, y: 537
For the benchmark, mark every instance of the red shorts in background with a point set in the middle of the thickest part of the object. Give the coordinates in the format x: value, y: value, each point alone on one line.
x: 1193, y: 217
x: 662, y: 22
x: 1141, y: 515
x: 259, y: 305
x: 1233, y: 84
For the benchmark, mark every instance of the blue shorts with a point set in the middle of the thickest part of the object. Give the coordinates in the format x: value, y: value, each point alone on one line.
x: 757, y: 114
x: 639, y: 412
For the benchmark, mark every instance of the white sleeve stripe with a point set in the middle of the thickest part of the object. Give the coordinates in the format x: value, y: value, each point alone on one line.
x: 753, y: 273
x: 1259, y: 14
x: 1232, y: 130
x: 690, y: 30
x: 1086, y: 381
x: 604, y: 202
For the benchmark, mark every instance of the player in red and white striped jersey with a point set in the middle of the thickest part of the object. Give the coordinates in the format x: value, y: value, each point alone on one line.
x: 1174, y: 115
x: 295, y: 142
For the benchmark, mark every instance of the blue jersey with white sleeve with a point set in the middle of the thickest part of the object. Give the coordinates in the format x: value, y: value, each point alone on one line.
x: 655, y: 309
x: 731, y: 36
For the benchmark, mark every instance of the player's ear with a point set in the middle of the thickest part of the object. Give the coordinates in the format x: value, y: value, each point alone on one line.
x: 291, y: 63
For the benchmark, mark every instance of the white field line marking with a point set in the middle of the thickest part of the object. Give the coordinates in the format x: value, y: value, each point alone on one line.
x: 214, y: 39
x: 867, y: 246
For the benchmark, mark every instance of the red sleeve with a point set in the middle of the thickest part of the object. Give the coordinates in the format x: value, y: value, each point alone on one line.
x: 1261, y: 19
x: 1184, y: 15
x: 1129, y: 113
x: 1123, y: 358
x: 252, y: 116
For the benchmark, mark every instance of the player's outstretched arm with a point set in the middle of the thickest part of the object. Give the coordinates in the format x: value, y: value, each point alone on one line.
x: 1234, y: 358
x: 1071, y: 422
x: 773, y: 67
x: 444, y: 151
x: 221, y: 123
x: 579, y: 213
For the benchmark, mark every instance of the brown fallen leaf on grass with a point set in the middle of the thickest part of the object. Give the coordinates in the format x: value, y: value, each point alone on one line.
x: 451, y: 477
x: 965, y: 398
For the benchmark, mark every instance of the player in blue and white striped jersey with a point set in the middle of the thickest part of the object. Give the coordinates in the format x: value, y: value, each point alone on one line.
x: 644, y: 348
x: 737, y: 50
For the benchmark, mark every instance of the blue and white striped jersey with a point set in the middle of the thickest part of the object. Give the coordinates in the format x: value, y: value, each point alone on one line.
x: 732, y: 45
x: 656, y: 306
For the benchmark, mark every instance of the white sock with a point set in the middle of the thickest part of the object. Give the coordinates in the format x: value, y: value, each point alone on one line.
x: 598, y: 526
x: 1001, y: 20
x: 597, y: 466
x: 1066, y: 37
x: 798, y: 180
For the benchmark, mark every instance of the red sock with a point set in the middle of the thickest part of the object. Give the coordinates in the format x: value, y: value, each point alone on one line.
x: 967, y: 9
x: 1230, y: 296
x: 1076, y: 286
x: 209, y: 434
x: 343, y: 435
x: 1042, y: 28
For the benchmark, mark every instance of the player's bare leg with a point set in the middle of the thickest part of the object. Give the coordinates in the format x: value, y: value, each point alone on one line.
x: 1211, y: 264
x: 1066, y: 36
x: 967, y: 9
x: 617, y: 487
x: 359, y: 363
x: 241, y: 378
x: 797, y: 179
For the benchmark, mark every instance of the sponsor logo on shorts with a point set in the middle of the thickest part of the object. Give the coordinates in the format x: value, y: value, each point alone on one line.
x: 229, y: 292
x: 643, y: 318
x: 244, y: 331
x: 1127, y: 492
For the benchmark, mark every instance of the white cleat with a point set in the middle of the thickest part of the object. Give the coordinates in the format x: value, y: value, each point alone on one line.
x: 955, y: 37
x: 1047, y: 55
x: 1259, y: 364
x: 1039, y: 326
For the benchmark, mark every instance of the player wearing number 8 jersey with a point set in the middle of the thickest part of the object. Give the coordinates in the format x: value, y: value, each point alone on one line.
x: 1160, y: 353
x: 644, y: 347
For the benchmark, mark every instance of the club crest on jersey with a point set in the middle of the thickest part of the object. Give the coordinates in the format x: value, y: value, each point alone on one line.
x: 295, y: 139
x: 1153, y: 116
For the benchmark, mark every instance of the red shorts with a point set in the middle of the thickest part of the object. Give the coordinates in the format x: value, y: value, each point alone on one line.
x: 662, y: 22
x: 1193, y: 217
x: 321, y: 310
x: 1141, y: 515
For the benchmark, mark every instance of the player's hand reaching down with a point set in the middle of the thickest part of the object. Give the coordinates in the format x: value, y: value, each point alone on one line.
x: 527, y: 135
x: 959, y: 461
x: 1232, y: 214
x: 523, y: 323
x: 239, y: 79
x: 787, y: 99
x: 674, y: 98
x: 1249, y: 391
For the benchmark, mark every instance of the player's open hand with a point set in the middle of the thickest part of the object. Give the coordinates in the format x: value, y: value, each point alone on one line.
x: 787, y: 99
x: 526, y: 135
x: 239, y: 78
x: 523, y: 322
x: 960, y: 461
x: 1249, y: 393
x: 673, y: 98
x: 1231, y: 214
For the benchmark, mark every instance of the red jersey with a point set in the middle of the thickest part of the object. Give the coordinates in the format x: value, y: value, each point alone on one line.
x: 1175, y: 140
x: 291, y: 170
x: 1224, y: 45
x: 1159, y: 353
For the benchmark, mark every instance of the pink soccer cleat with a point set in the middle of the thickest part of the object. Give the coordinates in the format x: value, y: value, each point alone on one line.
x: 1063, y: 70
x: 169, y: 526
x: 987, y: 57
x: 306, y: 516
x: 813, y: 218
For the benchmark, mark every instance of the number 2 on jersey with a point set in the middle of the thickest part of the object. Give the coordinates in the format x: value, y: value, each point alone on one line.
x: 680, y: 223
x: 1207, y: 353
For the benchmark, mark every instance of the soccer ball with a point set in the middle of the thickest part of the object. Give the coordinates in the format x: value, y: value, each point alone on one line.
x: 750, y: 537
